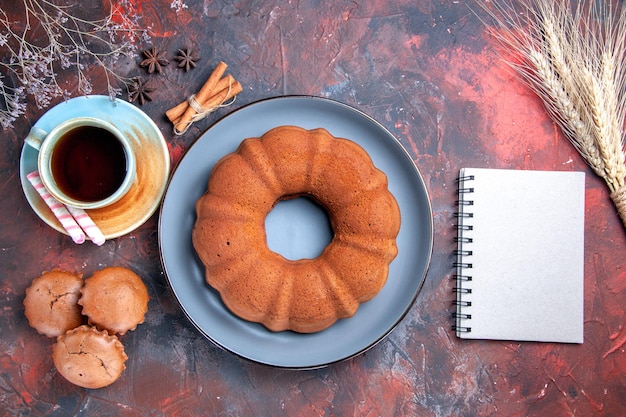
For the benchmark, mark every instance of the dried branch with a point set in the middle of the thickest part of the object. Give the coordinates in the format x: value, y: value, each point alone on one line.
x: 31, y: 62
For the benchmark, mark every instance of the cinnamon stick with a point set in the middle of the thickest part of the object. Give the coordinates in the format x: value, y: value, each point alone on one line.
x: 223, y: 96
x: 177, y: 111
x: 205, y: 90
x: 216, y: 100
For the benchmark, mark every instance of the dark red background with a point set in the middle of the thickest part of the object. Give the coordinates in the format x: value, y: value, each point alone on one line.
x: 428, y: 72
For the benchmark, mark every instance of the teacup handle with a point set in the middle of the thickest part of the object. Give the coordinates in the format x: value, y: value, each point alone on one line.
x: 35, y: 137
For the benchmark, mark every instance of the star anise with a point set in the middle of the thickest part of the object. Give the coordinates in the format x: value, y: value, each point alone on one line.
x: 155, y: 60
x: 187, y: 58
x: 140, y: 91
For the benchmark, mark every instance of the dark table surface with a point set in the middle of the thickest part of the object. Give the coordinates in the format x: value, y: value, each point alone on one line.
x: 427, y: 71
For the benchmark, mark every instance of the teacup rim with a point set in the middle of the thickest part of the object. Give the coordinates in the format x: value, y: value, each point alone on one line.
x: 44, y: 162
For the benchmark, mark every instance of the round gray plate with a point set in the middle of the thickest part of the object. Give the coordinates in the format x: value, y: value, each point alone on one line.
x: 346, y: 338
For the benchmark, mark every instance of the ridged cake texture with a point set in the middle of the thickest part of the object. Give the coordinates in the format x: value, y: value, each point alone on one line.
x: 305, y: 295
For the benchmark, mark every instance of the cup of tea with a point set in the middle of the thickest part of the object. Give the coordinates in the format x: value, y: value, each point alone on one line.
x: 84, y: 162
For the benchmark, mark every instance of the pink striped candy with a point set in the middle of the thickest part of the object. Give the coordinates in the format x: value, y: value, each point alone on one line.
x: 58, y: 209
x: 88, y: 225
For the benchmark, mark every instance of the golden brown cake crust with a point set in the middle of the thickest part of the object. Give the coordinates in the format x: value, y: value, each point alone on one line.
x: 51, y: 305
x: 88, y: 357
x: 306, y: 295
x: 115, y: 299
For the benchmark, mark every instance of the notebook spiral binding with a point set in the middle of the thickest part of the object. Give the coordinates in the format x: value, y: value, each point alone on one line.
x: 463, y: 254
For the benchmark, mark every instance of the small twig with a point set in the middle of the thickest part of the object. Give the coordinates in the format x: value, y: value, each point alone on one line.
x: 70, y: 43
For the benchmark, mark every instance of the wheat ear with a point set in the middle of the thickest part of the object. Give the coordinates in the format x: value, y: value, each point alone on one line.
x: 574, y: 58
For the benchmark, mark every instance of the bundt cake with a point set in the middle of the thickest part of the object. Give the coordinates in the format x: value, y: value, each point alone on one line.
x: 305, y: 295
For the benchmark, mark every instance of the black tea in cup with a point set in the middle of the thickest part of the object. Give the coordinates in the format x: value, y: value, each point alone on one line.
x: 89, y: 163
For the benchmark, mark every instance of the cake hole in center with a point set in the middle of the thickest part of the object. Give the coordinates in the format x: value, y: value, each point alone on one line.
x: 298, y: 228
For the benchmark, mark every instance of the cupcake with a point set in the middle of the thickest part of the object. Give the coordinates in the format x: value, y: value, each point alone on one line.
x: 51, y: 302
x: 88, y: 357
x: 114, y: 299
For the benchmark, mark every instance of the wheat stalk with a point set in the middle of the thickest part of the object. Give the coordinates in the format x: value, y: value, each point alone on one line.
x: 574, y: 58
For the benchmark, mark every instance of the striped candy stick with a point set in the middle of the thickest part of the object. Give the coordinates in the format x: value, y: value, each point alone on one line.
x: 58, y: 209
x: 87, y: 224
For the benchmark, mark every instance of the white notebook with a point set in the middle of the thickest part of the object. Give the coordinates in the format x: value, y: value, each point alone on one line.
x: 520, y: 255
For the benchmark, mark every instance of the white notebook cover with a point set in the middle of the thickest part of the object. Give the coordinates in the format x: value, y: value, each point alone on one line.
x: 520, y: 269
